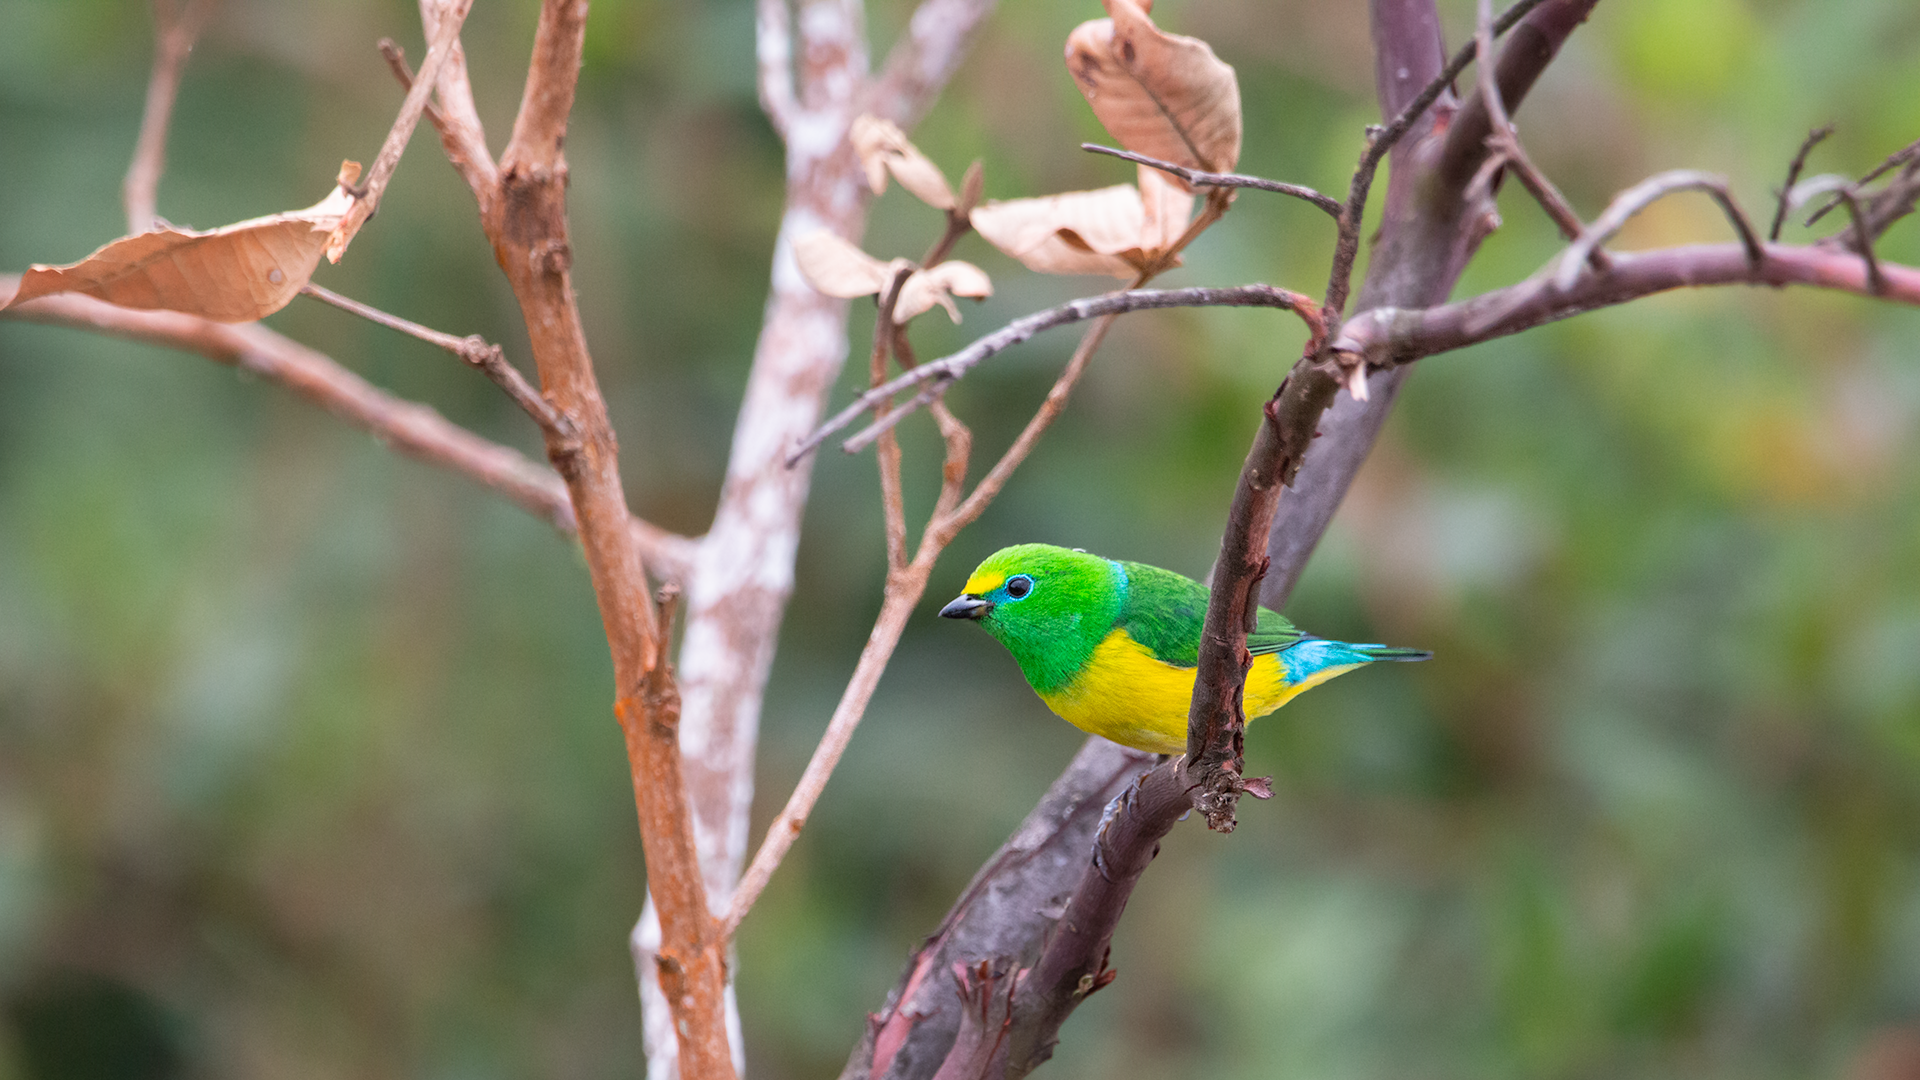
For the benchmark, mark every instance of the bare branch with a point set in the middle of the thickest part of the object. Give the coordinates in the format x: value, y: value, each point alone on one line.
x: 1644, y: 194
x: 1907, y: 153
x: 410, y: 428
x: 1507, y: 151
x: 949, y: 369
x: 1347, y: 245
x: 1199, y: 178
x: 176, y: 26
x: 473, y: 349
x: 367, y: 195
x: 1396, y: 336
x: 997, y: 915
x: 1814, y: 138
x: 454, y: 118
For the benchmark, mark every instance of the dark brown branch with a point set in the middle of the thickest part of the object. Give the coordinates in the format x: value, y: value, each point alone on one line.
x: 999, y: 915
x: 1784, y: 200
x: 1863, y: 240
x: 473, y: 349
x: 1234, y: 180
x: 949, y: 369
x: 1074, y: 962
x: 1347, y: 245
x: 1395, y: 336
x: 1644, y: 194
x: 1907, y: 153
x: 1508, y: 153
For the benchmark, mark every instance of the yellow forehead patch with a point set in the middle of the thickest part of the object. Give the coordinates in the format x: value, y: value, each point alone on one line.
x: 984, y: 581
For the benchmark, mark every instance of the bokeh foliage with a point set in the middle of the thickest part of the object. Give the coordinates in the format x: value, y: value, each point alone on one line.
x: 306, y: 762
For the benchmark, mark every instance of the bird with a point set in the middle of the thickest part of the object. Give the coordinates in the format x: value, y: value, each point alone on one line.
x: 1112, y: 646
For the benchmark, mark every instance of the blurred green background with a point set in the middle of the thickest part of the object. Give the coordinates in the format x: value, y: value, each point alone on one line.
x: 306, y: 761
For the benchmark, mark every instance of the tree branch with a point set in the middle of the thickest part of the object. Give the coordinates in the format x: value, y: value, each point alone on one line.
x: 1391, y: 336
x: 367, y: 195
x: 951, y: 368
x: 1785, y: 197
x: 473, y: 350
x: 410, y: 428
x: 1004, y: 914
x: 176, y: 26
x: 1327, y: 203
x: 527, y: 223
x: 1644, y: 194
x: 1428, y: 230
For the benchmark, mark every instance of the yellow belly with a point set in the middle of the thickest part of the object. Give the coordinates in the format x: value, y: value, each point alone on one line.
x: 1126, y: 695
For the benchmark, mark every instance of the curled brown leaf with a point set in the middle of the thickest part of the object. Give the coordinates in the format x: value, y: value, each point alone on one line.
x: 237, y: 273
x: 884, y: 148
x: 1104, y: 231
x: 1163, y: 95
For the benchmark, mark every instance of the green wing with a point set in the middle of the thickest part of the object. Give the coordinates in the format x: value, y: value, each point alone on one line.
x: 1273, y: 633
x: 1164, y: 611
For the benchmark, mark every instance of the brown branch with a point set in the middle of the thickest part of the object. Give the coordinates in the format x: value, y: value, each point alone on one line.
x: 527, y: 223
x: 1782, y: 204
x: 1863, y: 240
x: 473, y: 349
x: 176, y: 26
x: 367, y: 194
x: 409, y: 428
x: 454, y: 118
x: 1428, y: 231
x: 1347, y: 244
x: 951, y: 368
x: 997, y: 915
x: 1906, y: 154
x: 1644, y: 194
x: 1200, y: 178
x: 1395, y: 336
x: 1508, y: 153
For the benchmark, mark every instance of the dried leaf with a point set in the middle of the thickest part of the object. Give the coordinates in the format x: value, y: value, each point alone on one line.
x: 237, y: 273
x: 1163, y: 95
x: 883, y: 147
x: 939, y: 285
x: 1166, y: 204
x: 837, y: 268
x: 1076, y: 232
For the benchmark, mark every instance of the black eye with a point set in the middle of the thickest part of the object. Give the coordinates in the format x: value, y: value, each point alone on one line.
x: 1019, y: 585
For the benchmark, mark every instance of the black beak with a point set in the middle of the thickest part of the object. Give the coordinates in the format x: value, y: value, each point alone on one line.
x: 966, y: 606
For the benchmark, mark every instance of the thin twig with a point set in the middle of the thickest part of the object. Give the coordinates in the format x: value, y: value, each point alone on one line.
x: 1814, y: 138
x: 475, y: 350
x: 396, y: 58
x: 1906, y: 153
x: 1396, y: 335
x: 1644, y: 194
x: 454, y: 118
x: 952, y: 367
x: 1504, y: 142
x: 892, y: 498
x: 407, y: 427
x: 176, y: 26
x: 1211, y: 179
x: 1863, y: 241
x: 1347, y: 245
x: 367, y: 195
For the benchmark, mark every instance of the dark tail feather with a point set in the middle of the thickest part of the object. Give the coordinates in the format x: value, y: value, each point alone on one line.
x: 1382, y: 652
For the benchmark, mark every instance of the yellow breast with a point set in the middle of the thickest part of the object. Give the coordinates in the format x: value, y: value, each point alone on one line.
x: 1127, y: 695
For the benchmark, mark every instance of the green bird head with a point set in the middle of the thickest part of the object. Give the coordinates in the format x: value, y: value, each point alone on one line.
x: 1050, y: 606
